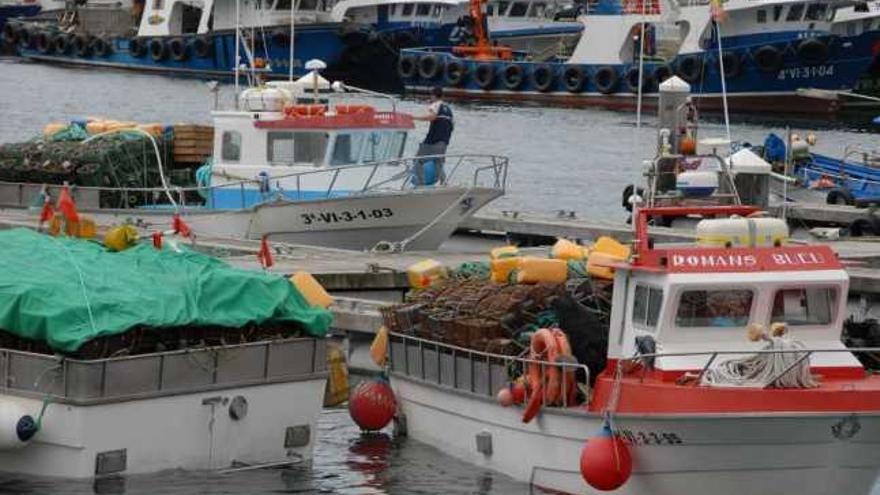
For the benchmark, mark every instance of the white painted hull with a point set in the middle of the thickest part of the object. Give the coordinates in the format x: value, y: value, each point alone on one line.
x: 718, y: 454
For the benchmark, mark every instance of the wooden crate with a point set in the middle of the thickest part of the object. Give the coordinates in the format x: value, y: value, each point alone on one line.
x: 193, y: 143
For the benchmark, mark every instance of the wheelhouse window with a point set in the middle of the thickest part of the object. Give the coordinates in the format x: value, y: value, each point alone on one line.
x: 407, y: 9
x: 795, y: 12
x: 647, y: 302
x: 538, y: 9
x: 438, y: 11
x: 714, y: 308
x: 777, y: 12
x: 502, y: 7
x: 230, y: 150
x: 423, y: 10
x: 307, y: 5
x: 816, y: 12
x: 805, y: 306
x: 762, y: 16
x: 519, y: 9
x: 365, y: 147
x: 392, y: 9
x: 288, y: 148
x: 283, y: 4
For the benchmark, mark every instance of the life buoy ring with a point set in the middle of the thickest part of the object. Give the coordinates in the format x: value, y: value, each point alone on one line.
x: 44, y: 42
x: 690, y: 68
x: 81, y: 45
x: 354, y: 109
x: 662, y: 73
x: 429, y: 66
x: 177, y: 49
x: 454, y: 73
x: 137, y: 47
x: 573, y: 78
x: 606, y: 80
x: 158, y: 51
x: 407, y: 66
x: 632, y: 80
x: 812, y: 51
x: 299, y: 110
x: 10, y: 33
x: 543, y: 78
x: 61, y: 44
x: 101, y: 47
x: 484, y: 75
x: 768, y: 58
x: 546, y: 382
x: 512, y: 76
x: 732, y: 65
x: 25, y: 38
x: 202, y: 47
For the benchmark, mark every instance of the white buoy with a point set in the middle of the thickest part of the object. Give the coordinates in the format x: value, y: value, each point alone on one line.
x: 17, y: 427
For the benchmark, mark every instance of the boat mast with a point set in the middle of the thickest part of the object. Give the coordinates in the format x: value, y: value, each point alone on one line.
x: 717, y: 16
x: 237, y: 47
x: 292, y: 22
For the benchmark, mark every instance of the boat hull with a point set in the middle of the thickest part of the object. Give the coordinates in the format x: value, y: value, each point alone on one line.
x: 672, y: 454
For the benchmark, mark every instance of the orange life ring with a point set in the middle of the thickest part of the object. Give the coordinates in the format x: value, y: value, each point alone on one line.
x: 350, y: 109
x: 314, y: 110
x: 545, y: 346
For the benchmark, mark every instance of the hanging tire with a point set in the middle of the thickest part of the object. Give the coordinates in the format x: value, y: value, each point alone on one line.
x: 839, y: 197
x: 407, y: 66
x: 662, y: 73
x: 202, y: 47
x: 543, y: 78
x: 606, y: 80
x: 768, y: 58
x: 137, y: 47
x: 628, y: 191
x: 812, y: 51
x: 512, y: 76
x: 484, y: 76
x: 157, y: 48
x: 573, y: 78
x: 25, y: 38
x: 43, y: 42
x: 10, y: 34
x: 101, y: 47
x: 632, y: 80
x: 429, y: 66
x: 404, y: 39
x: 690, y: 68
x: 454, y: 73
x: 82, y: 45
x: 177, y: 49
x: 732, y: 65
x: 61, y: 44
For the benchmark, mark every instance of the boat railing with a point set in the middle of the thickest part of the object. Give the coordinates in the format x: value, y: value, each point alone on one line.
x: 664, y: 170
x: 803, y: 354
x: 202, y: 369
x: 488, y: 171
x: 869, y: 157
x: 474, y: 372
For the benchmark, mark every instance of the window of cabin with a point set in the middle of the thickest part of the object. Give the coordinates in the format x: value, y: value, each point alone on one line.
x: 762, y: 16
x: 288, y: 148
x: 308, y: 5
x: 538, y: 9
x: 795, y: 12
x: 490, y: 10
x: 850, y: 28
x: 408, y: 9
x: 646, y: 307
x: 777, y: 12
x: 518, y: 9
x: 158, y: 4
x: 502, y: 7
x: 866, y: 25
x: 392, y: 9
x: 423, y: 10
x: 230, y: 149
x: 714, y: 308
x: 816, y: 12
x: 804, y: 306
x: 438, y: 11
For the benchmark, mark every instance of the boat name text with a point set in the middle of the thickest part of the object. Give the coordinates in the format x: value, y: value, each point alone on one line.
x: 345, y: 216
x: 806, y: 72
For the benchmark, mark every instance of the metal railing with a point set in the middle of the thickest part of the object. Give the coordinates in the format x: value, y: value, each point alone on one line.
x: 726, y: 187
x: 804, y: 354
x: 475, y: 372
x: 488, y: 171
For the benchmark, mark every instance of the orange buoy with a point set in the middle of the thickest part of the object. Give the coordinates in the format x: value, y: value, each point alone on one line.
x: 606, y: 462
x: 687, y: 146
x: 545, y: 384
x: 352, y: 109
x: 372, y: 404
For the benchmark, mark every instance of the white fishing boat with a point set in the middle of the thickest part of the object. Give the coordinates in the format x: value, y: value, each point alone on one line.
x: 320, y: 172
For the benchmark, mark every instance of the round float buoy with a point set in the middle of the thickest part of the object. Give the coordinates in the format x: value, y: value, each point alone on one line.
x: 372, y: 404
x: 505, y: 397
x: 606, y: 462
x: 688, y: 146
x: 16, y: 426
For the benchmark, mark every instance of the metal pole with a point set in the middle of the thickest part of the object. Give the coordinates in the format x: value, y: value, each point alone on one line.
x: 292, y: 22
x: 723, y: 82
x: 785, y: 173
x: 237, y: 46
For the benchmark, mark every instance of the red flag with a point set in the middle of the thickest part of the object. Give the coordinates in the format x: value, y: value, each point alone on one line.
x: 47, y: 212
x: 157, y: 240
x: 67, y: 206
x: 180, y: 227
x: 265, y: 254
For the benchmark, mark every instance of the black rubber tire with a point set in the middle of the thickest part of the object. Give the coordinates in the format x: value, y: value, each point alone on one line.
x: 732, y: 65
x: 178, y: 50
x: 43, y: 42
x: 10, y: 33
x: 82, y: 45
x: 862, y: 227
x: 768, y: 58
x: 662, y: 73
x: 101, y: 47
x: 407, y: 66
x: 404, y: 39
x: 484, y: 76
x: 812, y: 51
x: 606, y: 80
x: 574, y: 78
x: 632, y: 80
x: 137, y: 47
x: 543, y: 78
x: 61, y: 44
x: 839, y: 197
x: 202, y: 47
x: 627, y: 192
x: 512, y: 76
x: 158, y: 50
x: 454, y: 73
x: 429, y: 66
x: 690, y: 68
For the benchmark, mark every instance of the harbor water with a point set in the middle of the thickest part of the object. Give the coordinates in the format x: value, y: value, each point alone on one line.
x: 561, y: 159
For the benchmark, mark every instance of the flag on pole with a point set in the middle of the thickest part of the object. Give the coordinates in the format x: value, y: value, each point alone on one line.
x: 180, y: 227
x: 67, y: 205
x: 265, y: 254
x: 48, y: 211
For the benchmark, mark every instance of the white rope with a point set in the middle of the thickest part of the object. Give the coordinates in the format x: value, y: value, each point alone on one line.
x: 763, y: 370
x: 399, y: 247
x: 82, y: 284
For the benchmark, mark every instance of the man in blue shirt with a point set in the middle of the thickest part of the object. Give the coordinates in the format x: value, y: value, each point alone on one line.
x: 435, y: 143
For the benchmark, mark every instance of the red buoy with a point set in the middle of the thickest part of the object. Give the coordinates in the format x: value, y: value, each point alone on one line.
x: 606, y: 463
x: 372, y: 404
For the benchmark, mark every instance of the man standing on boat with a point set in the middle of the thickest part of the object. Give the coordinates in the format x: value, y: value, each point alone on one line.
x: 435, y: 143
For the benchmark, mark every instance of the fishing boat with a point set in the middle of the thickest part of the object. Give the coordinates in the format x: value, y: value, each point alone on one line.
x: 665, y: 410
x: 853, y: 20
x: 296, y: 164
x: 148, y: 360
x: 11, y: 10
x: 765, y: 50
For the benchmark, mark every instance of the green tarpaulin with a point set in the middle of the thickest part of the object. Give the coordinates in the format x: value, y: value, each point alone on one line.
x: 68, y: 291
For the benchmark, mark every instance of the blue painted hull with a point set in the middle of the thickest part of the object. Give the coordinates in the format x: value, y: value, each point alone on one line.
x: 13, y: 11
x: 749, y: 88
x: 860, y: 181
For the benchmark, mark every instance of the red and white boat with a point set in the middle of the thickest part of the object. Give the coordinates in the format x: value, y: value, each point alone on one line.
x: 684, y: 435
